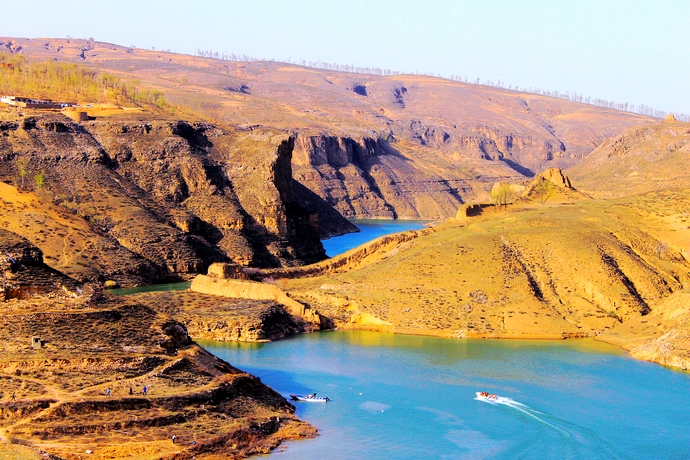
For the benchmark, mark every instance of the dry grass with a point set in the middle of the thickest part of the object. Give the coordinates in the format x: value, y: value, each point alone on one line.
x: 558, y: 270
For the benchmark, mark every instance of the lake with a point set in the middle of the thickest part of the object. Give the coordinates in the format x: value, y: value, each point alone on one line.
x: 397, y: 396
x: 370, y: 229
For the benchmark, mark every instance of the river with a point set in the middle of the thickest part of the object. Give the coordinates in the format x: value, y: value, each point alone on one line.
x: 397, y: 396
x: 369, y: 229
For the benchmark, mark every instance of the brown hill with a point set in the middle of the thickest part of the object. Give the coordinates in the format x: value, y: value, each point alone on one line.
x: 640, y: 160
x: 372, y: 146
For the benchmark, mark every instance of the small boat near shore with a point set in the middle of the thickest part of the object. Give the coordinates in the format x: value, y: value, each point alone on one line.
x: 310, y: 398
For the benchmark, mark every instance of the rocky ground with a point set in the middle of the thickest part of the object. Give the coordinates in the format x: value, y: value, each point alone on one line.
x: 209, y: 317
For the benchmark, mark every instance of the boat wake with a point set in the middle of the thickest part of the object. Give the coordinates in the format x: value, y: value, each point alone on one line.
x: 574, y: 441
x: 525, y: 409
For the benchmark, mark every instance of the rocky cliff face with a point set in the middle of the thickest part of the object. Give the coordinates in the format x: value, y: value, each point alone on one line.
x: 177, y: 195
x: 371, y: 145
x: 369, y: 178
x: 23, y: 272
x: 209, y: 317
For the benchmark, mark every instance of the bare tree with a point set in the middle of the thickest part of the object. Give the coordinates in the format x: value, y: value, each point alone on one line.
x: 22, y: 164
x: 544, y: 189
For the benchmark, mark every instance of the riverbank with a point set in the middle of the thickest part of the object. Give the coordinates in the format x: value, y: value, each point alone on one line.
x: 405, y: 284
x: 85, y: 373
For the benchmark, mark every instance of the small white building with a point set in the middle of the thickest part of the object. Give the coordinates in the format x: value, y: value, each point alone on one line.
x: 32, y: 103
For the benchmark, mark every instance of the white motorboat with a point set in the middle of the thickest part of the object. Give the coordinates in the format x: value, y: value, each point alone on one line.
x: 310, y: 398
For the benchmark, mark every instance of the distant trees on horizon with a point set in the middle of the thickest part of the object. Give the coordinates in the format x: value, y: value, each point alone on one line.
x: 71, y: 83
x: 641, y: 109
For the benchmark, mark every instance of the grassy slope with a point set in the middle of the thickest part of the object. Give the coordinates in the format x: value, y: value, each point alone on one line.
x: 640, y: 160
x: 534, y: 271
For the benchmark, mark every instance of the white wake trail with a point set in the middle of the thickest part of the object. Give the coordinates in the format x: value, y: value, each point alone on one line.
x: 522, y: 408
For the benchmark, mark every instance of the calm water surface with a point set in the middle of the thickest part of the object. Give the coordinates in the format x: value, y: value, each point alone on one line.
x: 398, y: 396
x: 182, y: 286
x: 369, y: 229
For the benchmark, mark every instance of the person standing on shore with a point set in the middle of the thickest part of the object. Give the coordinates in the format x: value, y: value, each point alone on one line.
x: 107, y: 392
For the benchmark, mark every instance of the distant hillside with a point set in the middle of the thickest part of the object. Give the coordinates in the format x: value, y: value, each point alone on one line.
x: 642, y: 159
x: 371, y: 146
x: 70, y: 82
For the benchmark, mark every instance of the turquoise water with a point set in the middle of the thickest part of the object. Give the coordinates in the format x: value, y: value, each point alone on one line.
x: 398, y: 396
x: 369, y: 229
x: 152, y: 288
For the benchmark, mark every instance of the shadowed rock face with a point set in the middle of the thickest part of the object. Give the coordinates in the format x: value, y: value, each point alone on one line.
x: 174, y: 196
x: 369, y: 178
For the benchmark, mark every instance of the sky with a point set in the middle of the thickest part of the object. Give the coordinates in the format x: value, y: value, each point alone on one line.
x: 635, y: 51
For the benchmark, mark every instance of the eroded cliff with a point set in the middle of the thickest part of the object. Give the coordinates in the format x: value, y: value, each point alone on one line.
x: 371, y: 145
x: 162, y: 197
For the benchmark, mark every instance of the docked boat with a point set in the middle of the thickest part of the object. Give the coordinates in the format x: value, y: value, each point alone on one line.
x: 486, y: 396
x: 310, y: 398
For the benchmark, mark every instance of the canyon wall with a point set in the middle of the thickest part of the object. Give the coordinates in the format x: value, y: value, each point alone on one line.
x: 167, y: 197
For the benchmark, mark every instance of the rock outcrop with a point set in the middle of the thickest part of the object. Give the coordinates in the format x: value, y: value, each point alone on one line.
x: 252, y: 290
x: 210, y: 317
x: 23, y: 273
x: 555, y: 176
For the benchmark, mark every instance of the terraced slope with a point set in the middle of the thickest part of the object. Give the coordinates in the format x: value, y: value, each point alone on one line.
x: 74, y: 364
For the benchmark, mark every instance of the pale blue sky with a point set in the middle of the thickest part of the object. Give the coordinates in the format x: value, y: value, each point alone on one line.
x: 632, y: 51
